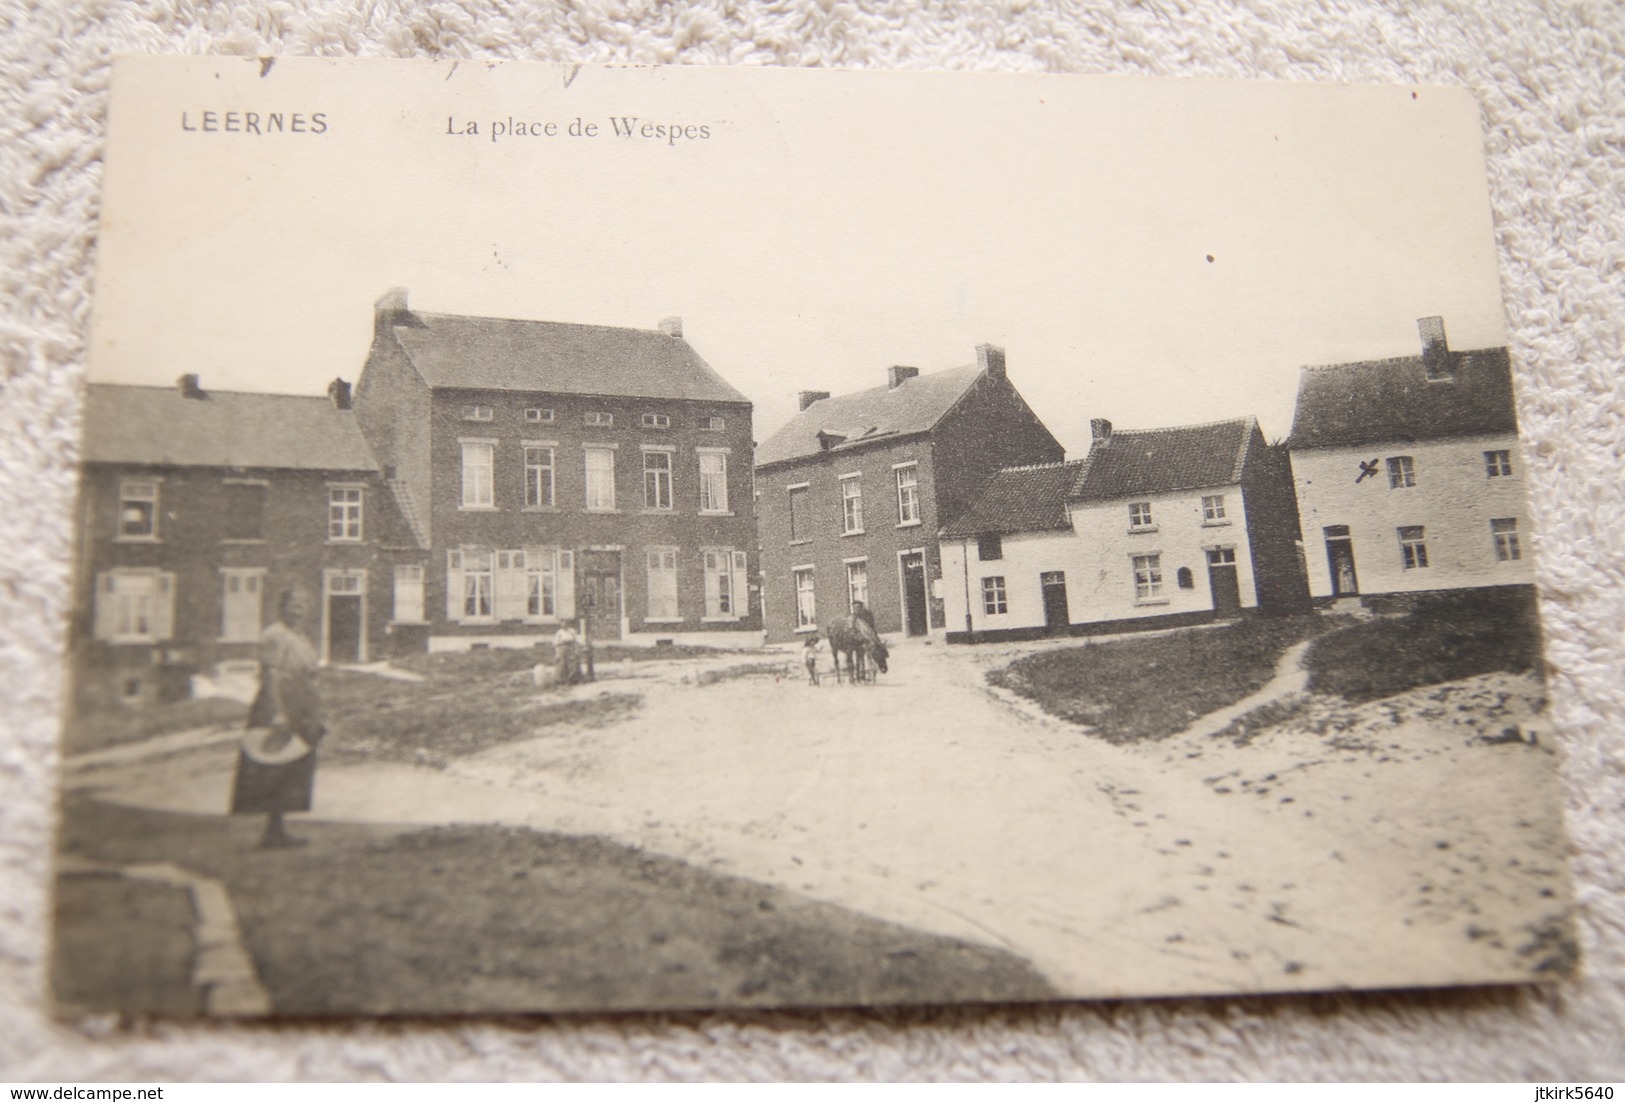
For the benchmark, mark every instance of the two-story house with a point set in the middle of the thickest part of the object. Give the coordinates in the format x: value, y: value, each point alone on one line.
x: 1153, y: 528
x: 561, y: 471
x: 1408, y: 472
x: 199, y: 508
x: 852, y: 491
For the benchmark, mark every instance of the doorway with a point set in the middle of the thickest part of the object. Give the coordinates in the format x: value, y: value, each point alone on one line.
x: 1221, y: 579
x: 1057, y: 618
x: 914, y: 606
x: 1340, y: 558
x: 343, y: 641
x: 600, y: 597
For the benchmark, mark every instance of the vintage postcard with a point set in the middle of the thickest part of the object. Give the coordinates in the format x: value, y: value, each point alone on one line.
x: 561, y: 538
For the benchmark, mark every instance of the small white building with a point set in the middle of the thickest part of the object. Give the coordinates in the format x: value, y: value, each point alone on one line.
x: 1154, y: 528
x: 1408, y: 473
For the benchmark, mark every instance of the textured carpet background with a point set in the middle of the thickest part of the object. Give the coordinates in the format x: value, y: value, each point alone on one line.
x: 1551, y: 78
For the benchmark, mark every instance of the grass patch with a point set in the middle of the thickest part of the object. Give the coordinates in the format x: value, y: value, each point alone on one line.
x: 1446, y: 638
x: 99, y: 730
x: 1130, y: 690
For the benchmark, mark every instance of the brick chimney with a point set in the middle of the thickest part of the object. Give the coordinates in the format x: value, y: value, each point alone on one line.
x: 897, y: 375
x: 190, y: 386
x: 1100, y: 431
x: 805, y: 398
x: 1436, y: 360
x: 672, y: 327
x: 990, y: 358
x: 390, y: 310
x: 339, y: 391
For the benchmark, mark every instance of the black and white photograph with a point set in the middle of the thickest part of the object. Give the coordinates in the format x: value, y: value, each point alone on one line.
x: 569, y: 538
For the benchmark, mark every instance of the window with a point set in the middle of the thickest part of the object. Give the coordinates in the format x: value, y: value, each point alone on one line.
x: 908, y: 495
x: 600, y: 479
x: 800, y: 528
x: 599, y: 420
x: 538, y: 476
x: 857, y: 583
x: 663, y: 583
x: 242, y: 513
x: 1498, y: 464
x: 1505, y: 533
x: 806, y: 608
x: 138, y: 510
x: 711, y: 424
x: 469, y: 584
x: 1185, y: 578
x: 851, y: 504
x: 714, y: 482
x: 1213, y: 509
x: 478, y: 456
x: 1147, y: 577
x: 724, y: 583
x: 994, y: 600
x: 1401, y: 472
x: 1139, y: 515
x: 510, y: 585
x: 657, y: 420
x: 541, y: 583
x: 241, y: 606
x: 409, y: 593
x: 1221, y: 556
x: 539, y: 415
x: 135, y: 606
x: 989, y: 547
x: 478, y: 413
x: 657, y: 480
x: 344, y: 513
x: 1413, y: 547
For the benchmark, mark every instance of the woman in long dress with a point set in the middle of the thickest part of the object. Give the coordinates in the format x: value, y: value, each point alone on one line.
x: 276, y: 768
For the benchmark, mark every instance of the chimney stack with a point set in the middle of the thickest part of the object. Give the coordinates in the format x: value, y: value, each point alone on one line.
x: 339, y: 391
x: 990, y: 358
x: 390, y: 310
x: 1100, y: 431
x: 1435, y: 349
x: 805, y: 398
x: 190, y: 386
x: 672, y: 327
x: 897, y: 375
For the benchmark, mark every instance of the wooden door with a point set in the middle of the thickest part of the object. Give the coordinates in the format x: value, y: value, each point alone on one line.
x: 914, y: 607
x: 599, y: 597
x: 1221, y: 577
x: 1057, y: 617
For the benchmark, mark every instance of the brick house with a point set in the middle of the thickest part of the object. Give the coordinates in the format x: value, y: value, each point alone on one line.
x: 1409, y: 474
x: 852, y: 491
x: 1153, y: 528
x: 198, y: 508
x: 560, y: 471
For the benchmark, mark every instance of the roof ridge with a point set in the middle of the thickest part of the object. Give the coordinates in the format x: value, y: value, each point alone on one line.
x: 654, y: 331
x: 1040, y: 466
x: 170, y: 388
x: 1176, y: 428
x: 1414, y: 357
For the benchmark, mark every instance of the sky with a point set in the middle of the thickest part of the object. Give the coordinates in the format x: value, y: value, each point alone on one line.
x: 1151, y: 252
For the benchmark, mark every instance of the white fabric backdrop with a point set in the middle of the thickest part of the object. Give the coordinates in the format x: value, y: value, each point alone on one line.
x: 1551, y: 78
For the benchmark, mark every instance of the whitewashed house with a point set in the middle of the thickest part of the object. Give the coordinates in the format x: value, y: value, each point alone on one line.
x: 1408, y: 472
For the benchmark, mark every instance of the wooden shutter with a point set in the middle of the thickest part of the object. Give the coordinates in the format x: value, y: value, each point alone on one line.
x: 106, y: 604
x: 163, y: 606
x: 454, y: 586
x: 567, y: 585
x: 508, y: 585
x: 741, y: 603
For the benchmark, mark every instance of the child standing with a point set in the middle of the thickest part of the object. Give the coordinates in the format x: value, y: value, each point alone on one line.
x: 810, y: 650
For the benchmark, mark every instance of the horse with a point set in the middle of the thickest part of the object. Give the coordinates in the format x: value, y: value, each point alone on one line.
x: 860, y: 644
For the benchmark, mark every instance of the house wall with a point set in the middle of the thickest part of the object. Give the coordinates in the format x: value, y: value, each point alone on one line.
x: 1273, y: 528
x: 1026, y: 556
x: 392, y: 408
x: 991, y: 427
x: 509, y: 524
x: 1453, y: 499
x: 828, y: 548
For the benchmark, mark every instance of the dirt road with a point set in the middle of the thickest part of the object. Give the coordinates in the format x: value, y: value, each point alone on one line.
x: 1193, y: 865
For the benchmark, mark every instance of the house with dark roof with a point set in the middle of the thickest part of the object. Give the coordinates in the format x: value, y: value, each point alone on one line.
x: 559, y: 471
x: 198, y: 508
x: 1152, y: 528
x: 852, y: 491
x: 1408, y: 472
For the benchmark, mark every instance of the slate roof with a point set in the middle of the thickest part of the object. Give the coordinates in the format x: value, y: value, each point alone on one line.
x: 1159, y: 461
x: 157, y: 426
x: 1019, y: 499
x: 454, y: 350
x: 1392, y: 401
x: 914, y: 406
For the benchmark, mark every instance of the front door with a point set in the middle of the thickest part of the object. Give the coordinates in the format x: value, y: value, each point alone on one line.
x: 1056, y: 614
x: 1340, y: 558
x: 914, y: 607
x: 599, y: 599
x: 343, y: 616
x: 1221, y: 579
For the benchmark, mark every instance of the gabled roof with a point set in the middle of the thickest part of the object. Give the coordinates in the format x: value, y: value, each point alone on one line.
x: 158, y: 426
x: 1019, y: 499
x: 852, y: 420
x: 457, y: 351
x: 1393, y: 401
x: 1158, y: 461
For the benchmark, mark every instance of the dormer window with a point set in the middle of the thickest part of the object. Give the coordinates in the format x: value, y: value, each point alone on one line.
x: 478, y: 413
x: 539, y: 415
x: 657, y: 421
x: 599, y: 420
